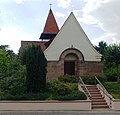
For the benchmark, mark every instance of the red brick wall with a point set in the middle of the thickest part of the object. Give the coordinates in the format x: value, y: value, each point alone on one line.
x: 26, y: 43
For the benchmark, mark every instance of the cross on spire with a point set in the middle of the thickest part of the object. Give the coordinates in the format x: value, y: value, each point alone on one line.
x: 50, y: 5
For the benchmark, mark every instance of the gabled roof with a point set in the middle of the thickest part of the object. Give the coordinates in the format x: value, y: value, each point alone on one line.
x: 72, y: 35
x: 51, y: 26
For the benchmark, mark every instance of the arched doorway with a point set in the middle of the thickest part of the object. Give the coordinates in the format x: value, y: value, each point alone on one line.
x: 71, y: 64
x: 70, y: 61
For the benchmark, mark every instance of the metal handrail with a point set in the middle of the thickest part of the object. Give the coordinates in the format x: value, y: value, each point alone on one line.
x: 105, y: 91
x: 89, y: 95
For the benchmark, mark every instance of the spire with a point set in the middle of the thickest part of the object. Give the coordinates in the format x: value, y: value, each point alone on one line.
x: 50, y: 28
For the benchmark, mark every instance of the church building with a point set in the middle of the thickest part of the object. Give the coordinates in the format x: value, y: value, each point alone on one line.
x: 68, y: 50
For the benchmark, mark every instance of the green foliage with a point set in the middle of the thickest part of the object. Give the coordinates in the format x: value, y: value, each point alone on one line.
x: 101, y: 47
x: 5, y: 64
x: 24, y: 96
x: 14, y: 84
x: 59, y: 88
x: 74, y: 95
x: 68, y: 79
x: 6, y: 48
x: 90, y: 80
x: 111, y: 74
x: 12, y: 73
x: 36, y: 63
x: 113, y: 88
x: 64, y: 91
x: 112, y: 60
x: 55, y: 91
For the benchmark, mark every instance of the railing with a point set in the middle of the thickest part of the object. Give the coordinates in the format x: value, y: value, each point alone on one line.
x: 105, y: 92
x: 89, y: 95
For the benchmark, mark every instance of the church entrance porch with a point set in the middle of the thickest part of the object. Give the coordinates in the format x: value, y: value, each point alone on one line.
x: 72, y: 62
x: 71, y: 58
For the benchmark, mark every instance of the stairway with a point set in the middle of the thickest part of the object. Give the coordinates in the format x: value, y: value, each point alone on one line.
x: 98, y: 101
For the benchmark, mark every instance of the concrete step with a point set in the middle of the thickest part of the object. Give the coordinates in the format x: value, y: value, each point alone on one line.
x: 96, y: 95
x: 100, y: 106
x: 98, y: 100
x: 93, y: 89
x: 99, y: 103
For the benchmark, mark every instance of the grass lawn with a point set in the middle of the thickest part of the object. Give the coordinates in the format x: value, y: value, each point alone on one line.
x: 113, y: 88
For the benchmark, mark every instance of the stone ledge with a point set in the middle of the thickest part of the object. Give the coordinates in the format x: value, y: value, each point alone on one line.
x: 45, y: 105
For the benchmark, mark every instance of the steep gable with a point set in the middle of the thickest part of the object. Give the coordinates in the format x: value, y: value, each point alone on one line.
x: 71, y: 35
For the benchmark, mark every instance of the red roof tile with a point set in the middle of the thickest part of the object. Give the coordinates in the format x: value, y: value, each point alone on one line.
x: 51, y: 26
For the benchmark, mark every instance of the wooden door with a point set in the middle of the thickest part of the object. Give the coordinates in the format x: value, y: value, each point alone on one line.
x: 69, y: 67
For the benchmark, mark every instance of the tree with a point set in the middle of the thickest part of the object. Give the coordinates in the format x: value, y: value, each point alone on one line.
x: 112, y: 57
x: 101, y: 47
x: 35, y: 61
x: 6, y: 48
x: 12, y: 73
x: 5, y: 62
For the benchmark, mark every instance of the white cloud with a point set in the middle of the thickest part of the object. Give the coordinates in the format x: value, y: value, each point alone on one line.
x: 4, y: 1
x: 104, y: 14
x: 91, y: 5
x: 76, y: 12
x: 19, y: 1
x: 59, y: 15
x: 109, y: 38
x: 64, y: 3
x: 9, y: 1
x: 88, y: 8
x: 11, y: 36
x: 109, y: 17
x: 88, y: 19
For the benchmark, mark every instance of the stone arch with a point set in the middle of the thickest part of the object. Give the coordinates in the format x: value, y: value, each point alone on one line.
x: 71, y: 59
x: 72, y: 51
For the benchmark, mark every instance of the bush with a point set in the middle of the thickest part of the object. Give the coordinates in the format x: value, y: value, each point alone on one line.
x: 113, y: 88
x: 25, y: 96
x: 68, y: 79
x: 111, y: 74
x: 74, y: 95
x: 90, y: 80
x: 59, y: 88
x: 64, y: 91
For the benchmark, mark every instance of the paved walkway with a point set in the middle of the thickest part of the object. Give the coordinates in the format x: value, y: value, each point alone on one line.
x: 60, y: 112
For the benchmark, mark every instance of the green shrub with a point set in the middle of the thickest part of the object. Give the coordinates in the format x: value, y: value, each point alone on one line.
x: 60, y: 88
x: 25, y: 96
x: 111, y: 74
x: 90, y: 80
x: 113, y: 88
x: 68, y: 79
x: 74, y: 95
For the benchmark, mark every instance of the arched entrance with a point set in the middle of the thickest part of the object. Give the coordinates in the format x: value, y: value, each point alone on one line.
x: 70, y: 64
x: 70, y: 60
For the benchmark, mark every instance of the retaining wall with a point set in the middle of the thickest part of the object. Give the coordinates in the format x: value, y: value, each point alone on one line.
x: 45, y: 105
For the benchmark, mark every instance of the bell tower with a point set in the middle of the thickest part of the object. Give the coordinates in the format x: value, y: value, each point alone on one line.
x: 51, y: 28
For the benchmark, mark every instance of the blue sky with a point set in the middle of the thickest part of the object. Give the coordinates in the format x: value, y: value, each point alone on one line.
x: 25, y: 19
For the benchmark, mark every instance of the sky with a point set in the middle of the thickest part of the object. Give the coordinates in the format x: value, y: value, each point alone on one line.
x: 25, y: 19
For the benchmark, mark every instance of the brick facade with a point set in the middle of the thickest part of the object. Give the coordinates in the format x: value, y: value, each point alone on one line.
x: 82, y: 68
x: 56, y: 68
